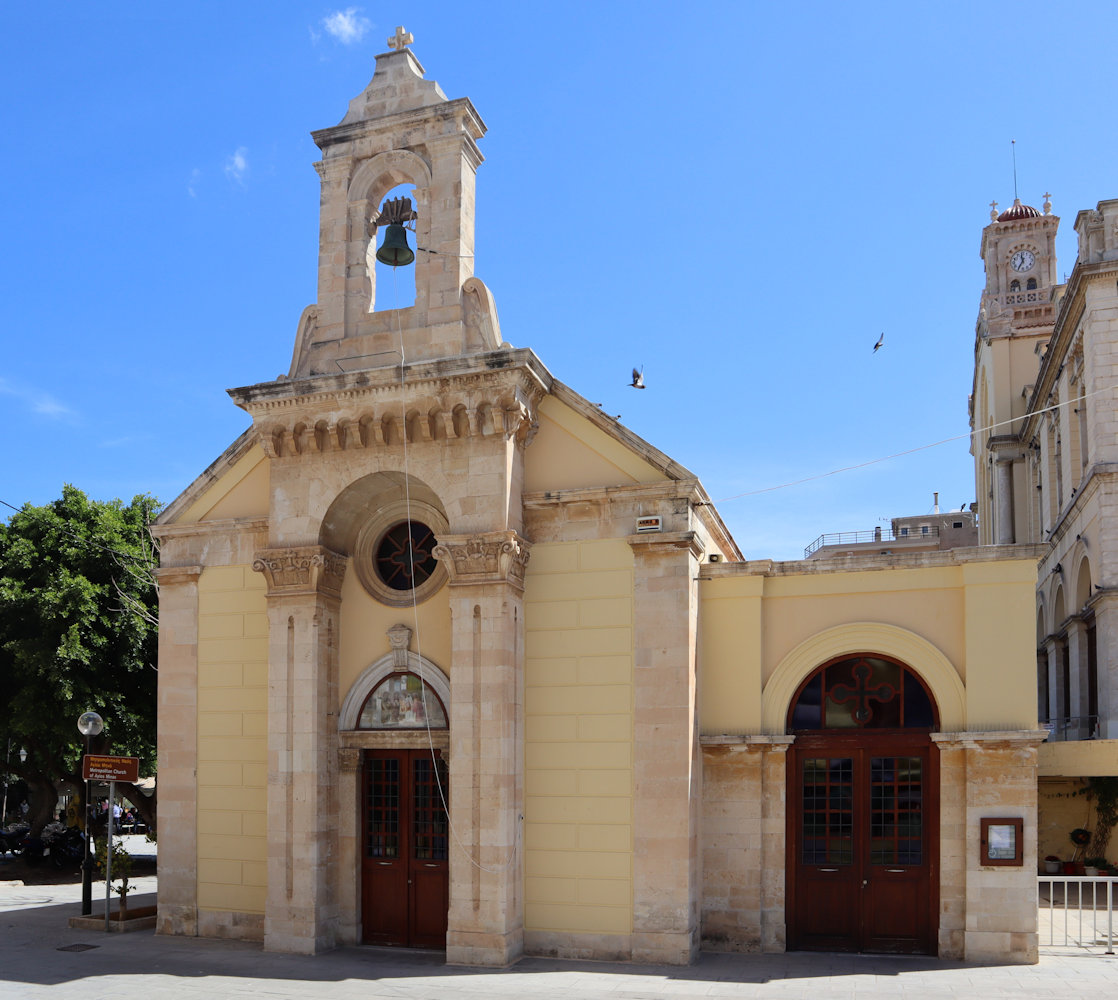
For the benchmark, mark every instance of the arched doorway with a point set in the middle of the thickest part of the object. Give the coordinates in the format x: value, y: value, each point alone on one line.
x: 863, y: 810
x: 404, y: 791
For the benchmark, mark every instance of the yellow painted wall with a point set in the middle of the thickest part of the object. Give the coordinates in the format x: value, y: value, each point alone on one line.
x: 232, y: 739
x: 365, y: 622
x: 578, y: 725
x: 241, y: 491
x: 967, y: 628
x: 569, y: 452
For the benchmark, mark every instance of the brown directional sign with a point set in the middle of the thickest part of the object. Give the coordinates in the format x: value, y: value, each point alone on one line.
x: 95, y: 768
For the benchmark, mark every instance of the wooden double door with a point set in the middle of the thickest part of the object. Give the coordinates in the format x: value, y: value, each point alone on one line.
x: 863, y: 844
x: 404, y: 872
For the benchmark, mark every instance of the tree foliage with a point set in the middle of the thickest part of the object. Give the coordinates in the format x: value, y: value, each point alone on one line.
x: 77, y: 633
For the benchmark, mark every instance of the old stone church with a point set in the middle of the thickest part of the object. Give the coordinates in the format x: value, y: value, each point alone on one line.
x: 450, y: 658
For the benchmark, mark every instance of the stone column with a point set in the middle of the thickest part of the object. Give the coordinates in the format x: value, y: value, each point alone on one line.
x: 1003, y: 492
x: 666, y: 770
x: 1077, y: 679
x: 178, y: 749
x: 1055, y: 685
x: 486, y: 920
x: 1105, y: 605
x: 304, y: 598
x: 995, y: 773
x: 774, y: 840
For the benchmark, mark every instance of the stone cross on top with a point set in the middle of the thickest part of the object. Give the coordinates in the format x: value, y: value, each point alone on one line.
x: 401, y: 40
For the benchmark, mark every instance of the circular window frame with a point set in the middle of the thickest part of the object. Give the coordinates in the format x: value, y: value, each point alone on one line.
x: 368, y: 543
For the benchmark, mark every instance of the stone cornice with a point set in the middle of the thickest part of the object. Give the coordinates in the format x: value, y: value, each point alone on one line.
x: 460, y: 110
x: 773, y: 744
x: 991, y: 740
x: 484, y: 559
x: 301, y: 571
x: 173, y: 576
x: 235, y: 525
x: 685, y: 489
x: 482, y: 395
x: 1097, y: 474
x: 665, y: 542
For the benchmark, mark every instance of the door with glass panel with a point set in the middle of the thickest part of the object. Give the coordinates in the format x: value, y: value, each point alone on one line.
x: 404, y: 872
x: 863, y: 812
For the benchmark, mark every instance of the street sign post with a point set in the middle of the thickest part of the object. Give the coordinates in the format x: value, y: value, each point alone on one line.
x: 99, y: 767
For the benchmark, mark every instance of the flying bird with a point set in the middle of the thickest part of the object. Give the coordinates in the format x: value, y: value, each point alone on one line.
x: 880, y: 341
x: 638, y: 379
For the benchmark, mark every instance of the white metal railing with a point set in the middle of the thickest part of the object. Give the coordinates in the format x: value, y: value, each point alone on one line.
x: 1076, y: 911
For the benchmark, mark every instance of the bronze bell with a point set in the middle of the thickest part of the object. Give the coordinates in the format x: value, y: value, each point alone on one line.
x: 394, y: 251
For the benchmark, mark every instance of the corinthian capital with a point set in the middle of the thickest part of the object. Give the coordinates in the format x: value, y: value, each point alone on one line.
x: 307, y: 569
x: 492, y: 557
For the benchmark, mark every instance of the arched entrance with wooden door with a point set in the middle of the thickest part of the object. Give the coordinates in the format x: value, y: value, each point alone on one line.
x: 863, y: 809
x: 398, y: 718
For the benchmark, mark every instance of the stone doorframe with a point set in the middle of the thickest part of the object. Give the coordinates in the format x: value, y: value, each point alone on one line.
x: 352, y: 742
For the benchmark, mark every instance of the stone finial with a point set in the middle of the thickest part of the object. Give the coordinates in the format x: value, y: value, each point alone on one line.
x: 401, y: 40
x: 399, y: 637
x: 1047, y: 206
x: 993, y: 211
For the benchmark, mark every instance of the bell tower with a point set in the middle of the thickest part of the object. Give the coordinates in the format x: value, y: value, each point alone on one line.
x: 400, y: 130
x: 1015, y: 321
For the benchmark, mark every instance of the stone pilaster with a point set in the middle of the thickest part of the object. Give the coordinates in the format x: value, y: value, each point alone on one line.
x: 1081, y: 726
x: 995, y: 774
x: 667, y: 869
x: 304, y: 598
x: 1003, y: 492
x: 349, y: 845
x: 743, y: 842
x: 178, y: 749
x: 486, y: 919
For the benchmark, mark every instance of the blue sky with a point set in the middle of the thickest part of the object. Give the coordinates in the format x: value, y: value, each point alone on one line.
x: 738, y: 197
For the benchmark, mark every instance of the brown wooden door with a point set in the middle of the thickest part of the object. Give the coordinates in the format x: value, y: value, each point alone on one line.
x: 404, y: 874
x: 862, y: 846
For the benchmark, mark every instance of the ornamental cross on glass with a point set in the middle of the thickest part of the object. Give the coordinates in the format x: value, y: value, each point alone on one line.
x: 861, y: 692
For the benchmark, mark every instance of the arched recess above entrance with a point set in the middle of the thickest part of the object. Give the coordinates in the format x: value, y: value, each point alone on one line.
x: 376, y: 672
x: 868, y: 638
x: 364, y: 499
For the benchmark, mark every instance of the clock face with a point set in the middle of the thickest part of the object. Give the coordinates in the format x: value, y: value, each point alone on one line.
x: 1022, y: 260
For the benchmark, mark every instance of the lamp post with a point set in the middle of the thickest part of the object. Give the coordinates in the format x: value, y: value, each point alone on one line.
x: 89, y: 724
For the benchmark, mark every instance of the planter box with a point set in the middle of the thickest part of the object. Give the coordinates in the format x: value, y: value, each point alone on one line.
x: 139, y: 918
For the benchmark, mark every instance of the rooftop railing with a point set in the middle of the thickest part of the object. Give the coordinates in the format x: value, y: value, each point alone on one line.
x: 905, y: 534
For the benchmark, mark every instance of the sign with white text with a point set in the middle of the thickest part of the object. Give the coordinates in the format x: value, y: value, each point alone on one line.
x: 100, y: 768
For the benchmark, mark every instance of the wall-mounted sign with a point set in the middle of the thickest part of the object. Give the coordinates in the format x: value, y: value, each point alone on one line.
x: 649, y: 524
x: 1002, y: 842
x: 103, y: 768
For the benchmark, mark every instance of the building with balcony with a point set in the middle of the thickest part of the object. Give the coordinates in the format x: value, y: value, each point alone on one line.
x: 1044, y: 417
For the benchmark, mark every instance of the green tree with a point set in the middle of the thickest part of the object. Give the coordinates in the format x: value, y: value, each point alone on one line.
x: 78, y: 630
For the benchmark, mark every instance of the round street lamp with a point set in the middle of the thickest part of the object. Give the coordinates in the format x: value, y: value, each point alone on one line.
x: 89, y: 724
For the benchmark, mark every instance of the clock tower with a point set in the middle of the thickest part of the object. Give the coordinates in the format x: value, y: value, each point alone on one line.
x: 1015, y: 321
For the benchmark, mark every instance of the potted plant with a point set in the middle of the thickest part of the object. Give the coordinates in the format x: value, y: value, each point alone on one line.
x: 1080, y: 838
x: 1052, y: 864
x: 1092, y: 866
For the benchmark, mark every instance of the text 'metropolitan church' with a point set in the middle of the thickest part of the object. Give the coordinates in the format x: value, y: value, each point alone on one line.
x: 450, y: 658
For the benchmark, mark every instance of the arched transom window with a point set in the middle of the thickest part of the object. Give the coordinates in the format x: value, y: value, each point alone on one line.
x: 862, y: 692
x: 402, y: 701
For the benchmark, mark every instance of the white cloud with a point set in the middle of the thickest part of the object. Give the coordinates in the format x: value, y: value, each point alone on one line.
x: 236, y: 167
x: 192, y: 184
x: 346, y: 26
x: 39, y: 402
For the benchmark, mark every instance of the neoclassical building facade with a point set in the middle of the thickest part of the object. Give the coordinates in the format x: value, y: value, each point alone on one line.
x: 450, y: 658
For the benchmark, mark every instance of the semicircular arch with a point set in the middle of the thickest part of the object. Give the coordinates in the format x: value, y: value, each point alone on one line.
x: 381, y: 173
x: 430, y: 673
x: 912, y: 650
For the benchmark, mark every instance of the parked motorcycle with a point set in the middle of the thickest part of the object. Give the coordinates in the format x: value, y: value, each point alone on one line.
x: 63, y: 846
x: 10, y: 840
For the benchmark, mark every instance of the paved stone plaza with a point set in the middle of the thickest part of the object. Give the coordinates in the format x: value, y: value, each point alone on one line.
x: 40, y: 957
